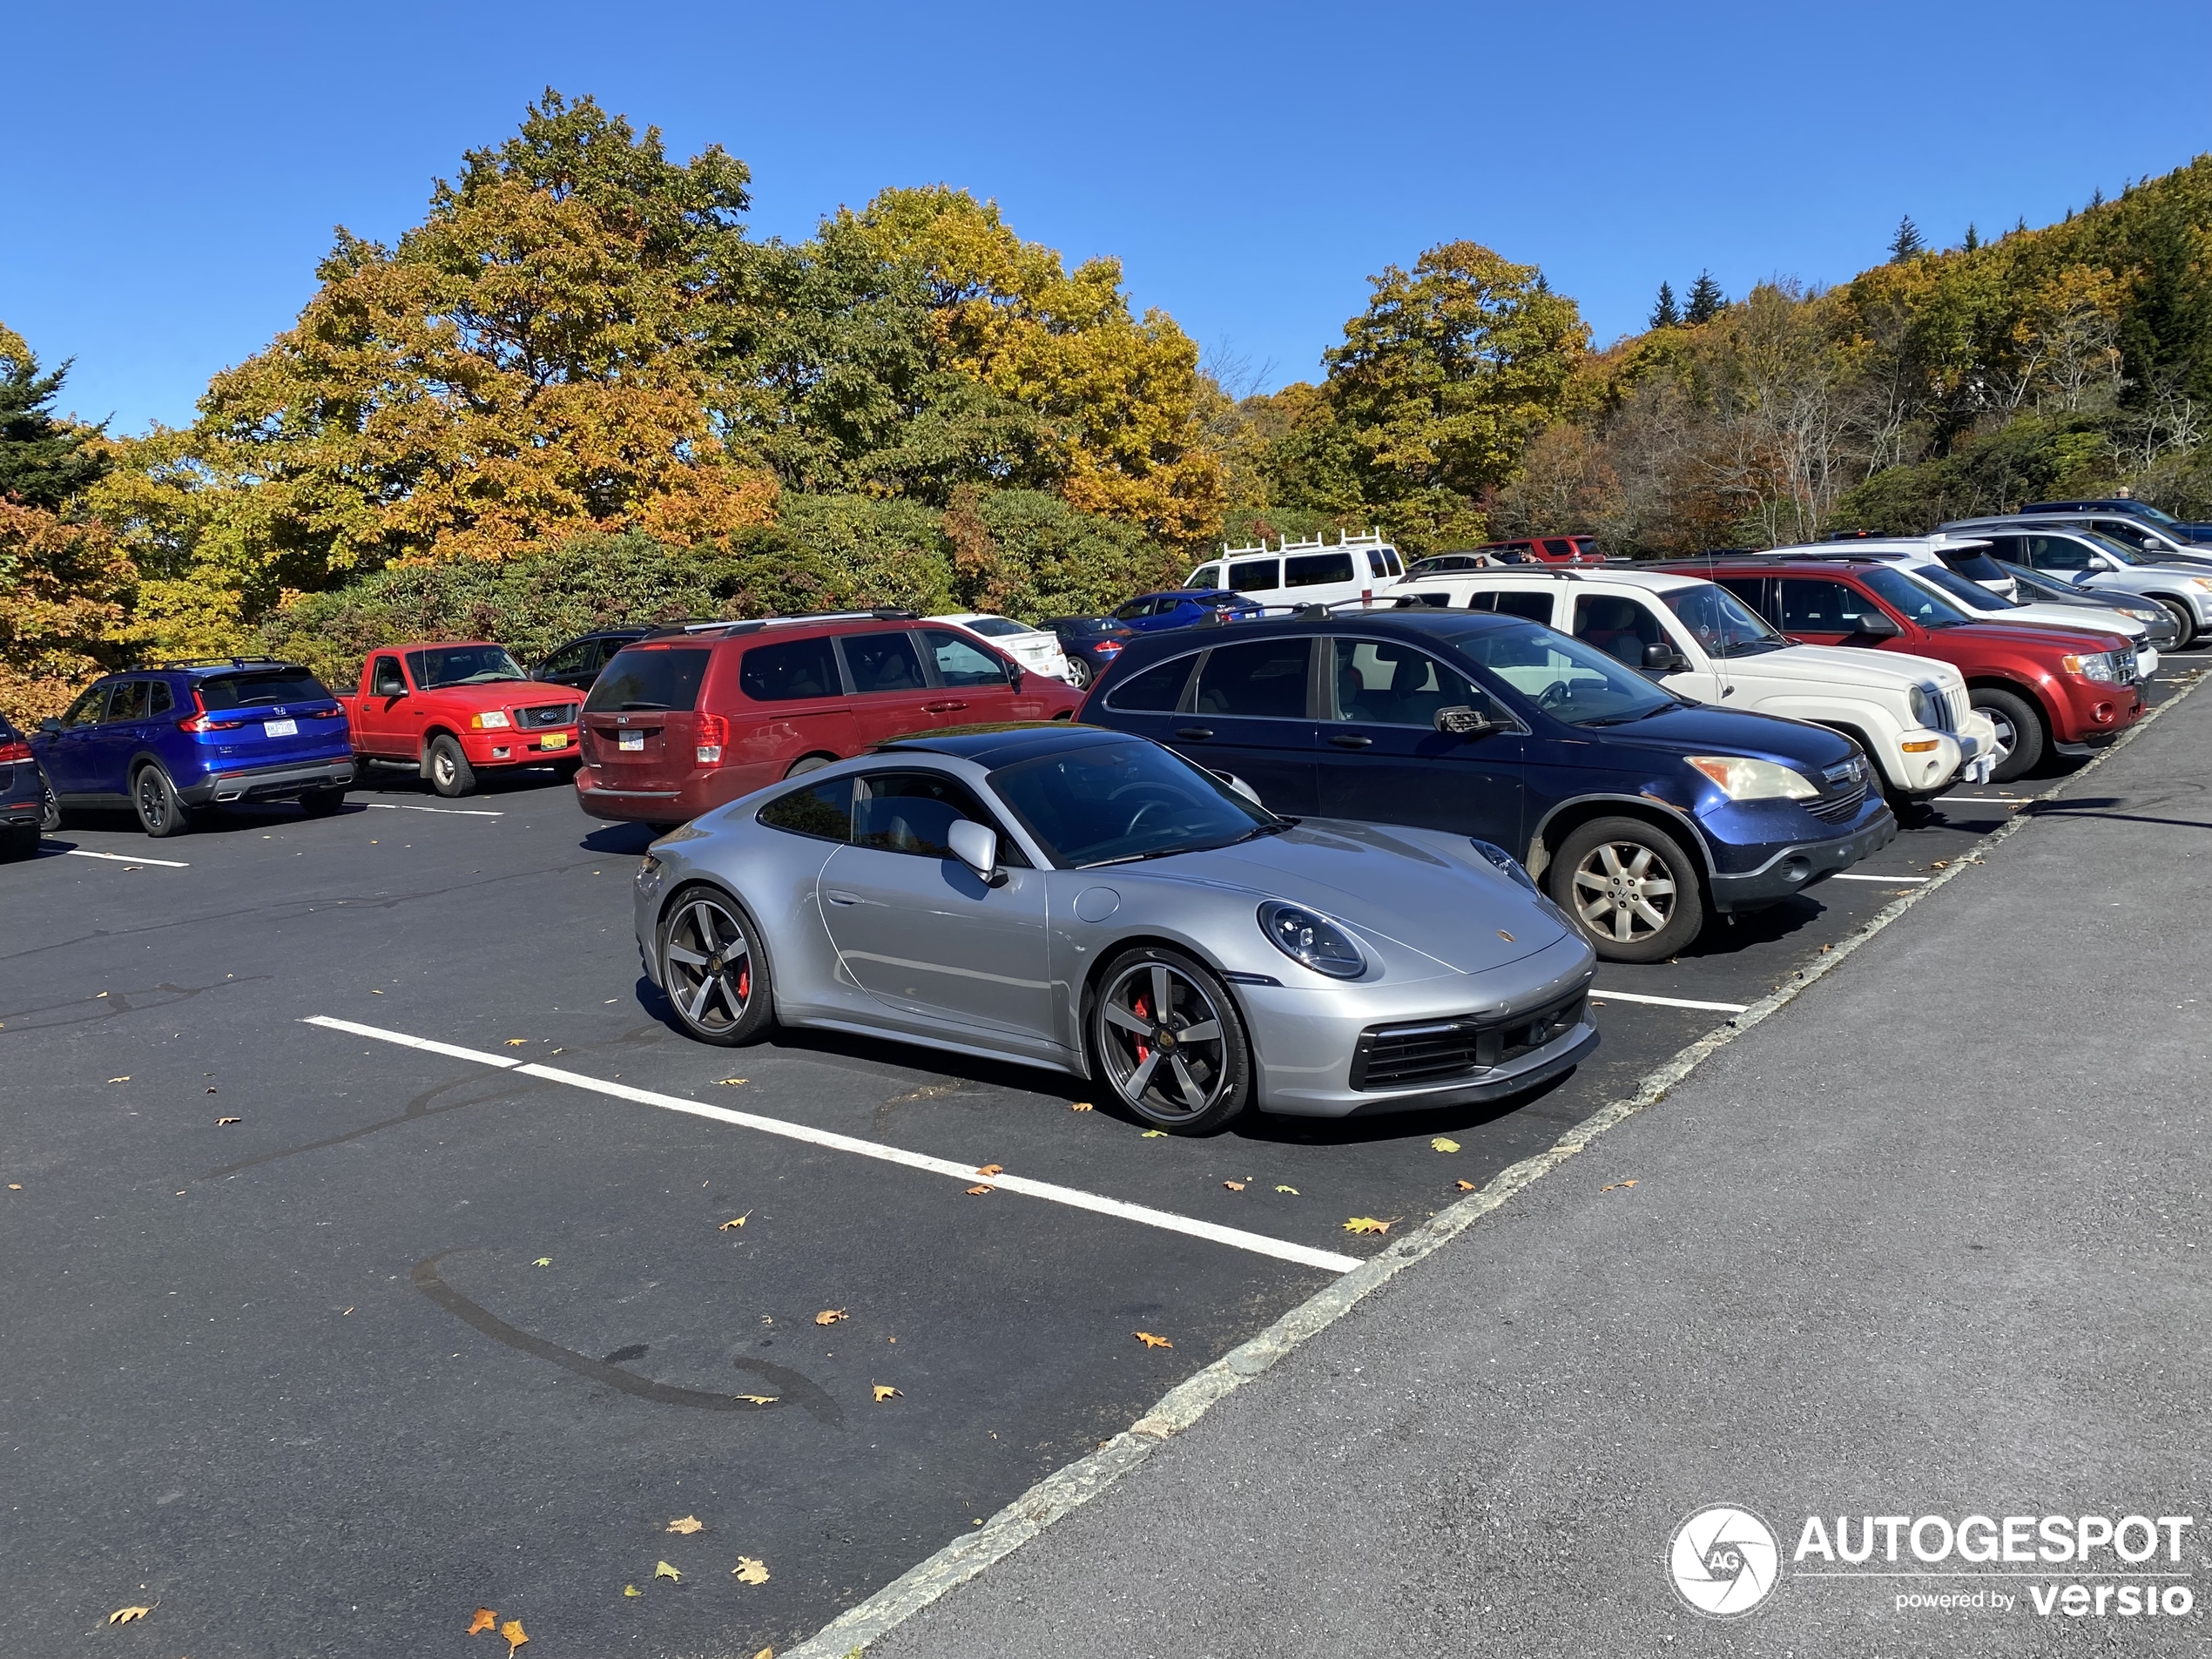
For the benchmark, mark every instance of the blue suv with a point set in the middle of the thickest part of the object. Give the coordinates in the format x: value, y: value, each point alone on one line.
x: 1641, y: 812
x: 1152, y: 612
x: 165, y: 740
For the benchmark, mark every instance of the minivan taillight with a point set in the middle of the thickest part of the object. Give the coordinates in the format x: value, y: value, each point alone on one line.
x: 713, y: 733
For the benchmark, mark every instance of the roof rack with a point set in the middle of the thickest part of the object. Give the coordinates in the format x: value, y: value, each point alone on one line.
x: 210, y: 662
x: 1374, y: 537
x: 883, y: 613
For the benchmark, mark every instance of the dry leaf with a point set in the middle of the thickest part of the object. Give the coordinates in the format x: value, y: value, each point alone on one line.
x: 1078, y: 1105
x: 1464, y: 1186
x: 765, y: 1652
x: 830, y: 1316
x: 1443, y: 1144
x: 126, y: 1614
x: 15, y: 1186
x: 992, y: 1169
x: 1293, y: 1191
x: 1938, y: 864
x: 729, y: 1082
x: 542, y: 1261
x: 749, y: 1571
x: 662, y: 1569
x: 1365, y: 1224
x: 115, y: 1080
x: 977, y: 1192
x: 223, y: 1121
x: 758, y: 1399
x: 1154, y: 1134
x: 514, y: 1634
x: 485, y: 1620
x: 631, y: 1589
x: 1234, y: 1186
x: 516, y: 1043
x: 687, y: 1524
x: 1151, y: 1341
x: 884, y: 1391
x: 1618, y: 1185
x: 727, y: 1225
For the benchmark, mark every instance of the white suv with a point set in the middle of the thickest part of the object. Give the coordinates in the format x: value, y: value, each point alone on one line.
x: 1910, y: 714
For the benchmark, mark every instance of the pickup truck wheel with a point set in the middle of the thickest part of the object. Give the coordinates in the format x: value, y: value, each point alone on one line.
x: 1631, y: 887
x: 715, y: 976
x: 2019, y: 731
x: 322, y: 802
x: 451, y: 772
x: 154, y: 797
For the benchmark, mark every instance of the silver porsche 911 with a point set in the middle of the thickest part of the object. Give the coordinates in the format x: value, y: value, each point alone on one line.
x: 1093, y: 902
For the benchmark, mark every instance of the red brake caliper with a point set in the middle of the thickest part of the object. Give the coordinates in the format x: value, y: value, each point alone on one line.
x: 1138, y: 1008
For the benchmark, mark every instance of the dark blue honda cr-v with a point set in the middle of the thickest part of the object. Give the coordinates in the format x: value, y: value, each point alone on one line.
x: 166, y: 740
x: 1640, y: 813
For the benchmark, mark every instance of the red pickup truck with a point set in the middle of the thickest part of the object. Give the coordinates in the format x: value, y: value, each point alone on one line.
x: 456, y: 710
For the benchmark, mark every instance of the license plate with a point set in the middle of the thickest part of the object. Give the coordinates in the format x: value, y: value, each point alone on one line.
x: 280, y: 728
x: 629, y: 741
x: 558, y: 740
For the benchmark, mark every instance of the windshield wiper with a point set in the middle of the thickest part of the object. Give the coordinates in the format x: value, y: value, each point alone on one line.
x: 1629, y: 720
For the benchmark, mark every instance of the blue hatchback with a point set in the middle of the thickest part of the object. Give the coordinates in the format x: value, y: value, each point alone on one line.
x: 1186, y: 607
x: 165, y: 740
x: 1642, y: 813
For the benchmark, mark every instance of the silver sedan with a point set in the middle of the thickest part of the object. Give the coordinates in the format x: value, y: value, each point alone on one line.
x: 1096, y: 904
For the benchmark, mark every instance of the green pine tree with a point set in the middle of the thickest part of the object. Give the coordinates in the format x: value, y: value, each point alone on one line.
x: 1705, y: 300
x: 1666, y: 314
x: 1906, y: 243
x: 44, y: 459
x: 1974, y: 237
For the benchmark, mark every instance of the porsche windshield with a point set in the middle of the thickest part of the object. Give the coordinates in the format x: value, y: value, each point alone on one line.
x: 1113, y: 803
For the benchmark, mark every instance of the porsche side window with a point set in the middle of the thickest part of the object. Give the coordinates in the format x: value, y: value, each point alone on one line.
x: 823, y: 812
x: 914, y: 811
x: 1158, y: 690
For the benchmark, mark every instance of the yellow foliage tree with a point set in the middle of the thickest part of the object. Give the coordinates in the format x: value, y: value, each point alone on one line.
x: 63, y: 589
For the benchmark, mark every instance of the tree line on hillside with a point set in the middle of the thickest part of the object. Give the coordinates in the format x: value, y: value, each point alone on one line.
x: 579, y: 391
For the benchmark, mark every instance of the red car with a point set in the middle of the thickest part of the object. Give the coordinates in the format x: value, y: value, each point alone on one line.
x: 2045, y: 688
x: 691, y: 718
x: 456, y: 709
x: 1544, y: 550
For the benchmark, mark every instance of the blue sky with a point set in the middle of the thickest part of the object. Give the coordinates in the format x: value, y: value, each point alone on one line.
x: 173, y: 173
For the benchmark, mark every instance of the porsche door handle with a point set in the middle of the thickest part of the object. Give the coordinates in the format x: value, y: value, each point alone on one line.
x: 1350, y: 740
x: 1194, y: 733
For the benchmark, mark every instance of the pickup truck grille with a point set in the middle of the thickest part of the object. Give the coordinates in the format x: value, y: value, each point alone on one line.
x: 548, y: 714
x: 1436, y: 1051
x: 1836, y: 809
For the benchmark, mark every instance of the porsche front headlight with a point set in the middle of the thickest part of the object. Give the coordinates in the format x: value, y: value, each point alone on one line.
x: 1311, y: 940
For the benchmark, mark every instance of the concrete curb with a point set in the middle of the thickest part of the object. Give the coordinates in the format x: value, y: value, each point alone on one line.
x: 1069, y: 1488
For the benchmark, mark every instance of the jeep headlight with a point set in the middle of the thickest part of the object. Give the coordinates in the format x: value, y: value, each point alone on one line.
x: 1741, y: 778
x: 1311, y: 940
x: 1922, y: 706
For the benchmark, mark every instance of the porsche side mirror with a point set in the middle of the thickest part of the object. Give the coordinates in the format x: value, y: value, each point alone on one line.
x: 1664, y: 657
x: 1461, y: 721
x: 976, y: 846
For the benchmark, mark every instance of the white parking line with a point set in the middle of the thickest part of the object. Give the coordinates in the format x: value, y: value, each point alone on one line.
x: 1598, y: 995
x: 1890, y: 880
x: 447, y: 812
x: 1989, y: 800
x: 80, y: 853
x: 1258, y: 1243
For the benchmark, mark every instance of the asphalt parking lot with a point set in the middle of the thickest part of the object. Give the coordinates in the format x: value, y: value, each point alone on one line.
x: 419, y: 1333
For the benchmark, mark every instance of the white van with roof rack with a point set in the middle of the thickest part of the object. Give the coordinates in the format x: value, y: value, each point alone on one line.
x: 1304, y: 573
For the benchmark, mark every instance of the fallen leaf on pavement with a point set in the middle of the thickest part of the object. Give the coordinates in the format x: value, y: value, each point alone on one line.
x: 516, y: 1043
x: 514, y: 1634
x: 1293, y: 1191
x: 1234, y: 1186
x: 1443, y: 1144
x: 1151, y: 1341
x: 884, y: 1391
x: 1618, y: 1185
x: 15, y: 1186
x: 992, y: 1169
x: 765, y: 1652
x: 126, y: 1615
x: 730, y: 1082
x: 662, y: 1569
x: 758, y: 1399
x: 118, y: 1080
x: 1154, y: 1134
x: 749, y: 1571
x: 687, y: 1524
x: 727, y: 1225
x: 830, y: 1316
x: 1078, y: 1105
x: 977, y: 1192
x: 542, y: 1261
x: 221, y: 1122
x: 1940, y: 864
x: 485, y: 1620
x: 1365, y: 1224
x: 631, y: 1589
x: 1464, y: 1186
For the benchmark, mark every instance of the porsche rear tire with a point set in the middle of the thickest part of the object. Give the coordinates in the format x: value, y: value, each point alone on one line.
x: 713, y: 969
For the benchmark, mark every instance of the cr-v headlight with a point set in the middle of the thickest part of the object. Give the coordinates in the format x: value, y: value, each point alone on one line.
x: 1741, y: 778
x: 1310, y: 941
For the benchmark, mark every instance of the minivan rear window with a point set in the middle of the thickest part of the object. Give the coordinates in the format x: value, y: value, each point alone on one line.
x: 654, y: 679
x: 258, y: 691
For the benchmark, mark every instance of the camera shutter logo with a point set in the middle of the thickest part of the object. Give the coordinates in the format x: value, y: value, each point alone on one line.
x: 1723, y: 1561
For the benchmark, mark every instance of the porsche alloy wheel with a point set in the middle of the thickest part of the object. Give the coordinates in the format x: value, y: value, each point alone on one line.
x: 1168, y: 1039
x: 717, y: 982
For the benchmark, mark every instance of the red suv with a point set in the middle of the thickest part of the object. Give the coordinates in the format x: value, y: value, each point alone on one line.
x: 1544, y: 550
x: 687, y: 719
x: 2057, y: 688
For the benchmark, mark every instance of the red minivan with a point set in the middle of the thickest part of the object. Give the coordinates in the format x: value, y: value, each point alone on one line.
x: 689, y: 717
